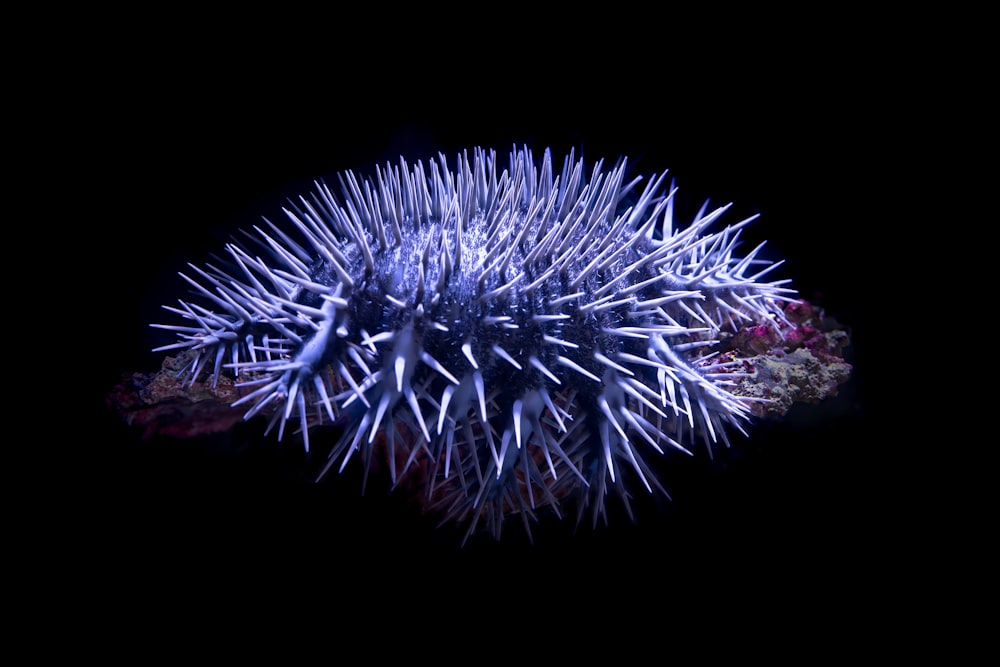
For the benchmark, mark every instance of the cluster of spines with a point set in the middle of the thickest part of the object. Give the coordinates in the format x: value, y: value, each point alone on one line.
x: 504, y: 330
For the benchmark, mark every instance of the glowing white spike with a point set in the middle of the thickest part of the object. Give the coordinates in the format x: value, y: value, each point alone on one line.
x: 606, y: 444
x: 324, y: 399
x: 467, y: 351
x: 477, y: 379
x: 411, y: 398
x: 608, y: 362
x: 606, y: 409
x: 383, y: 403
x: 433, y: 363
x: 534, y: 361
x: 343, y: 372
x: 558, y: 341
x: 569, y: 363
x: 445, y: 400
x: 516, y: 412
x: 502, y: 353
x: 400, y: 366
x: 399, y: 303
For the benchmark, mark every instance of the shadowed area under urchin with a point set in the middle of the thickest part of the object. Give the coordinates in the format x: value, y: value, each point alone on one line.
x: 501, y: 337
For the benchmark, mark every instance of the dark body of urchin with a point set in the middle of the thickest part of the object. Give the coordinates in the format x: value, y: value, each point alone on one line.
x: 511, y: 337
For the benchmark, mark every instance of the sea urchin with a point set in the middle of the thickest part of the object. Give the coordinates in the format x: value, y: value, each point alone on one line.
x: 519, y: 336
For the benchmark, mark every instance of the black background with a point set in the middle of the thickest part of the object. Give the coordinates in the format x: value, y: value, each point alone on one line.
x: 198, y: 139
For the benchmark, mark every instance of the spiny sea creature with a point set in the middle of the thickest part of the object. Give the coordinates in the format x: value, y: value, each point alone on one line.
x: 513, y: 335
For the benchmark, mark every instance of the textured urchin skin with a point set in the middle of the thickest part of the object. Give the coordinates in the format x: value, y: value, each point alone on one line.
x: 509, y: 335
